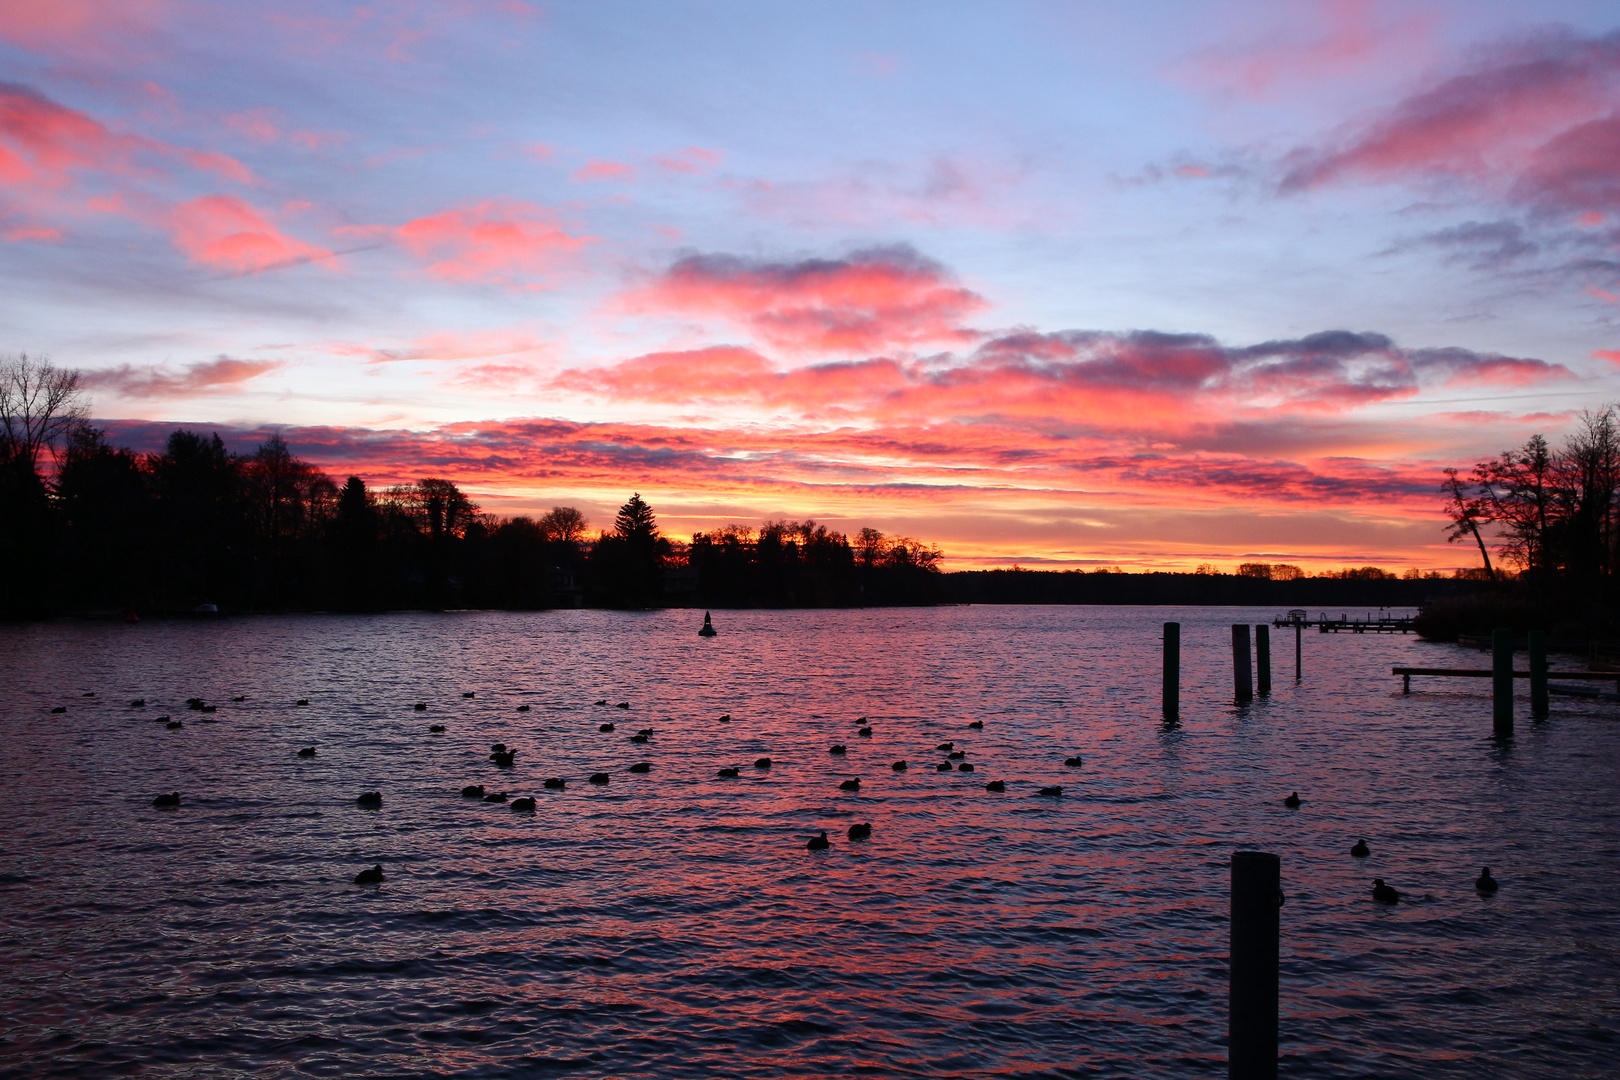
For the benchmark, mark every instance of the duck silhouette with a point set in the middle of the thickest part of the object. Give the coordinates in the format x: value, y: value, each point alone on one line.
x: 503, y: 761
x: 977, y: 725
x: 943, y: 766
x: 59, y: 710
x: 171, y: 799
x: 88, y: 693
x: 641, y: 767
x: 637, y: 738
x: 302, y: 701
x: 966, y: 766
x: 554, y: 783
x: 865, y: 732
x: 436, y: 729
x: 860, y: 832
x: 138, y: 703
x: 1074, y: 762
x: 420, y: 706
x: 498, y: 748
x: 369, y: 798
x: 726, y: 719
x: 1484, y: 883
x: 1293, y: 801
x: 1385, y: 894
x: 762, y: 763
x: 604, y: 727
x: 473, y: 791
x: 819, y: 843
x: 467, y: 693
x: 160, y: 719
x: 523, y: 708
x: 308, y: 751
x: 996, y: 785
x: 647, y: 731
x: 727, y: 774
x: 598, y: 778
x: 374, y: 876
x: 837, y: 748
x: 850, y: 785
x: 622, y: 705
x: 172, y: 724
x: 602, y: 701
x: 946, y: 746
x: 1054, y: 791
x: 1360, y: 850
x: 496, y: 797
x: 899, y: 766
x: 238, y: 699
x: 956, y: 755
x: 525, y: 803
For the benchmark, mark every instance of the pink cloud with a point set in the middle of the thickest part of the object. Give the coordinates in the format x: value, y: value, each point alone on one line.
x: 227, y: 233
x: 76, y: 25
x: 504, y: 241
x: 604, y: 170
x: 156, y: 381
x: 1611, y: 355
x: 42, y: 233
x: 693, y: 159
x: 869, y: 300
x: 451, y: 345
x: 266, y: 125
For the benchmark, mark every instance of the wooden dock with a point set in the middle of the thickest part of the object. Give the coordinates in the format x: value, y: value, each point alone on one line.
x: 1347, y: 624
x: 1406, y: 674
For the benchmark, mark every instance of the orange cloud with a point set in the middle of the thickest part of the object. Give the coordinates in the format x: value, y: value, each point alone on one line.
x: 870, y: 300
x: 155, y: 381
x: 225, y: 232
x: 503, y: 241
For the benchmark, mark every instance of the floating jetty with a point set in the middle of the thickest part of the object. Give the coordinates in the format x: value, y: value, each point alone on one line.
x: 1367, y: 624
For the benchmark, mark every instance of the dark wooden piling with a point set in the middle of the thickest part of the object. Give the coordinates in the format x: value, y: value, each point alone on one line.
x: 1297, y: 629
x: 1538, y: 675
x: 1502, y: 683
x: 1242, y: 671
x: 1251, y: 1048
x: 1262, y: 658
x: 1172, y: 670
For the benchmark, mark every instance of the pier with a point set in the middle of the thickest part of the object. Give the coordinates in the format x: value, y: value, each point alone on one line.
x: 1366, y: 624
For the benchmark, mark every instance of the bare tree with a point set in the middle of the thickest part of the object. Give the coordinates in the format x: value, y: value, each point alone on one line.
x: 39, y: 405
x: 1467, y: 515
x: 563, y: 524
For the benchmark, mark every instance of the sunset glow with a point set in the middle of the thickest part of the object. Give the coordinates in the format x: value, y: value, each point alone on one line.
x: 1051, y: 284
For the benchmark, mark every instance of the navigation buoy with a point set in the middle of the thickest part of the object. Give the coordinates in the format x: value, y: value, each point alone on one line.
x: 708, y: 627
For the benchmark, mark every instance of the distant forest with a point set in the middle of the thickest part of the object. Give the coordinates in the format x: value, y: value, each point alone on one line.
x: 112, y: 530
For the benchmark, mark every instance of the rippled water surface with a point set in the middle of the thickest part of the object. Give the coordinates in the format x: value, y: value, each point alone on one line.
x: 673, y: 924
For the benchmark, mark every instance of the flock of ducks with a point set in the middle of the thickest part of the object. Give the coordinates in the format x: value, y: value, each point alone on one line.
x: 503, y: 756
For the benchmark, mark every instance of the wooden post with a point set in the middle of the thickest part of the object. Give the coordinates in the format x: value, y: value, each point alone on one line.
x: 1172, y: 670
x: 1297, y: 629
x: 1502, y: 683
x: 1538, y: 675
x: 1262, y: 658
x: 1251, y: 1025
x: 1242, y: 673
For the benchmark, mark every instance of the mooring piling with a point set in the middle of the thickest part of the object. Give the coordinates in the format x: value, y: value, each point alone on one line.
x: 1538, y: 675
x: 1297, y: 628
x: 1242, y: 672
x: 1502, y: 683
x: 1172, y: 670
x: 1257, y: 899
x: 1262, y: 658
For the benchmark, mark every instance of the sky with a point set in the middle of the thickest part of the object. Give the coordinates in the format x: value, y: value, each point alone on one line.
x: 1052, y: 284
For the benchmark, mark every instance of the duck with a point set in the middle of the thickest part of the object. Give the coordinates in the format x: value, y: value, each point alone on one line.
x: 1293, y: 801
x: 837, y: 748
x: 604, y: 727
x: 498, y: 748
x: 725, y: 718
x: 1385, y: 894
x: 1360, y: 850
x: 554, y: 783
x: 598, y: 778
x: 208, y: 709
x: 966, y: 766
x: 1484, y: 883
x: 374, y: 876
x: 495, y: 797
x: 943, y: 766
x: 946, y: 746
x: 436, y: 729
x: 59, y: 710
x: 238, y: 699
x: 523, y: 708
x: 641, y: 767
x: 503, y: 761
x: 762, y: 763
x: 308, y: 751
x: 193, y: 702
x: 860, y: 832
x: 647, y: 731
x: 636, y: 738
x: 171, y: 799
x: 899, y: 766
x: 302, y: 701
x: 138, y: 703
x: 88, y: 693
x: 467, y: 693
x: 850, y: 785
x: 420, y: 706
x: 622, y: 705
x: 956, y: 755
x: 977, y: 725
x: 865, y: 732
x: 727, y: 774
x: 819, y: 843
x: 602, y: 701
x: 1052, y: 792
x: 860, y: 720
x: 996, y: 785
x: 473, y: 791
x: 369, y: 798
x: 525, y: 803
x: 160, y: 719
x: 172, y: 724
x: 1074, y: 762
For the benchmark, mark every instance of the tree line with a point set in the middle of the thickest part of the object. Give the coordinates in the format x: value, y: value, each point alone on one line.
x: 89, y: 526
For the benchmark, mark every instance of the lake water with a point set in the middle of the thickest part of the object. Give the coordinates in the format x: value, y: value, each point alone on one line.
x: 673, y: 924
